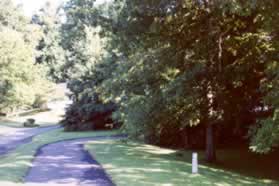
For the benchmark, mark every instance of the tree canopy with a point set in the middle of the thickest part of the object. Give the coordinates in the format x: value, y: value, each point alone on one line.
x: 172, y: 66
x: 23, y: 83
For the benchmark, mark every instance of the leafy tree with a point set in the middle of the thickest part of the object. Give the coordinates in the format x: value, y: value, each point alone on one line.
x: 22, y: 82
x: 203, y: 61
x: 11, y: 16
x: 50, y: 51
x: 171, y: 65
x: 84, y: 50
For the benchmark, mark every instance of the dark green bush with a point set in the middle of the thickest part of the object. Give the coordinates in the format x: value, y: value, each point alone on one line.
x: 87, y: 112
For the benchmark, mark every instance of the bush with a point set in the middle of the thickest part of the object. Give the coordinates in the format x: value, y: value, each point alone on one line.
x: 89, y: 114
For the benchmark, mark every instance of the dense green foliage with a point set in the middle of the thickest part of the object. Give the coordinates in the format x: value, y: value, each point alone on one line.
x: 22, y: 84
x: 87, y: 112
x: 84, y: 51
x: 173, y: 65
x: 49, y: 49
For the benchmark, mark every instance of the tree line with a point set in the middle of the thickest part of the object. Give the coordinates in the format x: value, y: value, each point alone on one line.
x: 23, y: 82
x: 193, y: 74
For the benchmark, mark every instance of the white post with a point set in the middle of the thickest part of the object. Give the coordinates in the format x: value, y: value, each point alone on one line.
x: 195, y: 163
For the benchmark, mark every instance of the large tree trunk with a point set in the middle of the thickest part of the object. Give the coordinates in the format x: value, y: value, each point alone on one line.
x: 186, y: 138
x: 210, y: 144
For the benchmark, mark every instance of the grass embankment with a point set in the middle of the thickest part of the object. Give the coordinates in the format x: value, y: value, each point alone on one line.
x: 139, y: 164
x: 14, y: 166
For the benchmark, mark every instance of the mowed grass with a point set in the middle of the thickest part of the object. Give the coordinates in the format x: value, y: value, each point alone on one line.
x: 44, y: 119
x: 135, y: 164
x: 15, y: 165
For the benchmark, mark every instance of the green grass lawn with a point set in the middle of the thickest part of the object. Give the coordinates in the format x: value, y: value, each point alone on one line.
x: 14, y: 166
x: 139, y: 164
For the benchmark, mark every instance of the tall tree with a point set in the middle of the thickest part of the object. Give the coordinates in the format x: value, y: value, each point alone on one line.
x: 180, y: 64
x: 50, y: 50
x: 22, y: 83
x: 217, y: 53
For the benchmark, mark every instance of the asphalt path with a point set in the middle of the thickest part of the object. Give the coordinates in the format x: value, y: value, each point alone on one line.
x: 67, y: 163
x: 10, y: 142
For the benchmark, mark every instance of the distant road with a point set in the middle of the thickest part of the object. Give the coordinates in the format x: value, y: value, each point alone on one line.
x: 20, y: 137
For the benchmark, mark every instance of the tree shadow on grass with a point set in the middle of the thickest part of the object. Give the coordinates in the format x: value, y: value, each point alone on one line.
x: 139, y: 164
x: 15, y: 165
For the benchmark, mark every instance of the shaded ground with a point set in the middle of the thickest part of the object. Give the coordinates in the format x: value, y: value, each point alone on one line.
x: 67, y: 163
x: 139, y: 164
x: 244, y: 162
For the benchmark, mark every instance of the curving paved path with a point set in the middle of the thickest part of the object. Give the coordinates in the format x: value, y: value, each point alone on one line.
x: 66, y: 163
x: 20, y: 137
